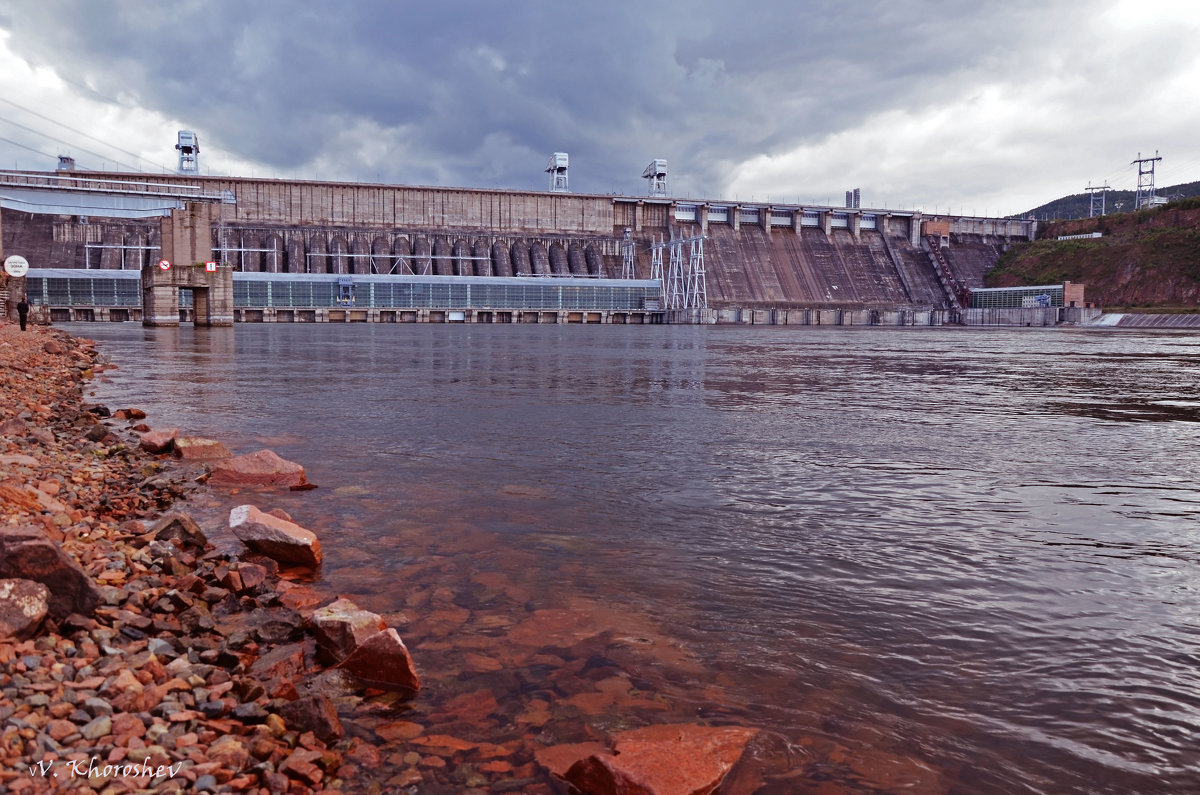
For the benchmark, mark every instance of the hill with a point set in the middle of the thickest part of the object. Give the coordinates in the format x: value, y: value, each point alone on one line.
x: 1146, y: 259
x: 1079, y: 205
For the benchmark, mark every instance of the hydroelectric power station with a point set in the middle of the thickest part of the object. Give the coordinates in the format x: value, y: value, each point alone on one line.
x: 270, y: 250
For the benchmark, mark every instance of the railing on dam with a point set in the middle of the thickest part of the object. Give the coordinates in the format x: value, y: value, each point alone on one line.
x: 64, y: 287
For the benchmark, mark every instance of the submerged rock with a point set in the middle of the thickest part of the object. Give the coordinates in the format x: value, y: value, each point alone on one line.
x: 673, y: 759
x: 263, y: 468
x: 195, y: 448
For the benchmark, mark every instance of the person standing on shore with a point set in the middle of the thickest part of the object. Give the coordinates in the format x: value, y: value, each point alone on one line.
x: 22, y: 312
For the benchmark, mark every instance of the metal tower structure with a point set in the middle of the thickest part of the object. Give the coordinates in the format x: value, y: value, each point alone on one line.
x: 557, y: 169
x: 628, y: 254
x: 189, y: 152
x: 675, y: 288
x: 656, y: 266
x: 1097, y: 195
x: 695, y: 286
x: 684, y: 286
x: 1145, y: 188
x: 656, y: 176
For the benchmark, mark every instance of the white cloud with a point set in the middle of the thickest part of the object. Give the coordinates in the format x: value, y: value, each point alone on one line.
x: 974, y: 106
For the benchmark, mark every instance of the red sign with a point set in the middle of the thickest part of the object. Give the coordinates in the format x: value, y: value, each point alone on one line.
x: 164, y: 264
x: 210, y: 266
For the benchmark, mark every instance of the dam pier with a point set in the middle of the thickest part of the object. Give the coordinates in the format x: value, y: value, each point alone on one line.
x: 308, y: 251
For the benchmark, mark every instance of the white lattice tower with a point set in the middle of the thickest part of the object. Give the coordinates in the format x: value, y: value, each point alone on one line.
x: 656, y: 264
x: 676, y: 288
x: 628, y: 256
x: 696, y: 289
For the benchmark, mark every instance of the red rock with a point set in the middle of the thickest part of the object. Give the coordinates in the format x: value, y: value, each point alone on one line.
x: 558, y: 759
x: 15, y: 427
x: 23, y: 607
x: 26, y: 554
x: 252, y: 575
x: 128, y: 724
x: 282, y: 661
x: 680, y: 759
x: 383, y: 660
x: 316, y: 714
x: 159, y: 441
x: 50, y: 487
x: 195, y: 448
x: 340, y: 627
x: 263, y: 468
x: 274, y: 537
x: 229, y: 751
x: 444, y: 741
x: 496, y: 766
x: 60, y: 729
x: 179, y: 526
x: 472, y: 707
x: 301, y: 764
x: 399, y: 730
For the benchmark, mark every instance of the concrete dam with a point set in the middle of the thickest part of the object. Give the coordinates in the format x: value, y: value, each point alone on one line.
x: 760, y: 262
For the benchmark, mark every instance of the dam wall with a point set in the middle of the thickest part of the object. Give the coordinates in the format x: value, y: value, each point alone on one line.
x: 756, y: 256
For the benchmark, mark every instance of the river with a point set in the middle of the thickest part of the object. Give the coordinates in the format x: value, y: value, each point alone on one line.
x: 937, y: 560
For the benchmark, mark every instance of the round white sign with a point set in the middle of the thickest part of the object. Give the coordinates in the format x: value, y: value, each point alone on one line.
x: 16, y: 265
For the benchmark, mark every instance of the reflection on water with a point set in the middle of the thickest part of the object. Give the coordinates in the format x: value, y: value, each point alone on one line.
x: 936, y: 559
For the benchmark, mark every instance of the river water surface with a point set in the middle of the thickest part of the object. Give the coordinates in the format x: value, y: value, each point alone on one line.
x: 931, y: 560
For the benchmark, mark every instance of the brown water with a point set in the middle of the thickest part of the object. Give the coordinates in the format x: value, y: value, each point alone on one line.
x: 937, y: 560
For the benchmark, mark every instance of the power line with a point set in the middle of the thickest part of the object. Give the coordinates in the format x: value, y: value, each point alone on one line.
x: 23, y: 146
x: 72, y: 129
x: 66, y: 143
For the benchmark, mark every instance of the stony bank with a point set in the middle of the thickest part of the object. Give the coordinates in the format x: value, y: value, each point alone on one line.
x: 136, y: 656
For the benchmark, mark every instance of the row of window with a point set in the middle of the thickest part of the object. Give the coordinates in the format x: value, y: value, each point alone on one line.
x: 1017, y: 297
x: 536, y: 294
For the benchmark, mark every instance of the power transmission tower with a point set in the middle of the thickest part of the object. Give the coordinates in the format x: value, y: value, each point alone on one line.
x: 1145, y: 188
x: 1097, y: 200
x: 628, y: 255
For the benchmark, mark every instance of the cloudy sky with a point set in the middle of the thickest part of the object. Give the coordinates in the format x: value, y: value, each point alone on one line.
x: 974, y: 107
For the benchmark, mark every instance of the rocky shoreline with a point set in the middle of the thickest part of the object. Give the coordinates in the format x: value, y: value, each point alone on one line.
x: 137, y: 657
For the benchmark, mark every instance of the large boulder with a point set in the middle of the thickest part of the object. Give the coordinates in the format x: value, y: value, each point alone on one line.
x: 158, y: 441
x: 263, y: 468
x: 27, y: 554
x: 382, y: 660
x: 23, y: 607
x: 342, y: 626
x: 278, y: 539
x: 672, y: 759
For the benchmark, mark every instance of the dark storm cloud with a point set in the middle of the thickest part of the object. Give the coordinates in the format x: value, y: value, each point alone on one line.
x: 480, y: 93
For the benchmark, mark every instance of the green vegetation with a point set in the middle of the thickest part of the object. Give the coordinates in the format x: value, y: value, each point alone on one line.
x: 1145, y: 260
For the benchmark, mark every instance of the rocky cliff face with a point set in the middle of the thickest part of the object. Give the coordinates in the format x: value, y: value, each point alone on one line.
x: 1147, y: 259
